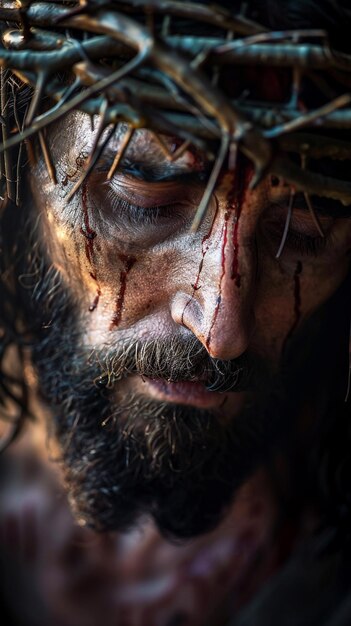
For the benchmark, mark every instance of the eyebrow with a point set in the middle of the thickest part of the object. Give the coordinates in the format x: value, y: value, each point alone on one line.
x: 323, y: 206
x: 154, y: 172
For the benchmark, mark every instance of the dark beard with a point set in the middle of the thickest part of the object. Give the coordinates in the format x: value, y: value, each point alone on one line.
x: 125, y: 457
x: 133, y: 457
x: 179, y: 464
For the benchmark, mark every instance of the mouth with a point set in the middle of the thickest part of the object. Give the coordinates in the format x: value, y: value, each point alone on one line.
x: 189, y: 393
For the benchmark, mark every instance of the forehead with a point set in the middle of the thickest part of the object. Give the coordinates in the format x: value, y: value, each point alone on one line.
x: 73, y: 140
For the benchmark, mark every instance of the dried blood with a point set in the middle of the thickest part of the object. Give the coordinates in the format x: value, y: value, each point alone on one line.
x: 238, y: 183
x: 89, y: 235
x: 219, y: 298
x: 297, y: 301
x: 205, y: 246
x: 95, y: 302
x: 235, y: 201
x: 128, y: 263
x: 86, y: 229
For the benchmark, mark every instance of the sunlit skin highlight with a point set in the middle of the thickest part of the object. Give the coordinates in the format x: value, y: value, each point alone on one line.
x: 179, y: 281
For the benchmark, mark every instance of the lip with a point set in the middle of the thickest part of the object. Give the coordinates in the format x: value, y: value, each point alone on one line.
x: 185, y: 392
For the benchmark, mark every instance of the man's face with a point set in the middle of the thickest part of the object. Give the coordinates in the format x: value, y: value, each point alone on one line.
x: 158, y: 314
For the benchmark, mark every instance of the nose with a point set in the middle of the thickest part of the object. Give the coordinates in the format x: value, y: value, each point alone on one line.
x: 219, y: 308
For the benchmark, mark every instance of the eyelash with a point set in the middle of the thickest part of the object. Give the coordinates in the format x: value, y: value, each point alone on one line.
x: 307, y: 245
x: 141, y: 216
x: 137, y: 216
x: 298, y: 242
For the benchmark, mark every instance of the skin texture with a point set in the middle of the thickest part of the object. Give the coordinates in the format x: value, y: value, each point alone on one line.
x: 126, y: 257
x: 165, y: 257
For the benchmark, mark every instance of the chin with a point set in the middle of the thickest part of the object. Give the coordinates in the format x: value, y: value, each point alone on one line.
x: 177, y: 464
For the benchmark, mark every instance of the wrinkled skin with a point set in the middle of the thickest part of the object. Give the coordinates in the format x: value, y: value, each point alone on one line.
x: 140, y: 273
x: 167, y: 255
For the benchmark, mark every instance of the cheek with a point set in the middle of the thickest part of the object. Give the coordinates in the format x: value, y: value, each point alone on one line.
x: 115, y: 288
x: 288, y: 293
x: 139, y: 287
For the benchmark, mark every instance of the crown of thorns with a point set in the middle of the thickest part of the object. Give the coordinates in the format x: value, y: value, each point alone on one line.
x: 128, y: 61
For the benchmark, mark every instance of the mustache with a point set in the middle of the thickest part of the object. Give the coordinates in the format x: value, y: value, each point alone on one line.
x: 174, y: 360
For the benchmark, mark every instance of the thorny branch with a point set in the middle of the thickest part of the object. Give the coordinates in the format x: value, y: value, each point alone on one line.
x: 148, y: 81
x: 110, y: 32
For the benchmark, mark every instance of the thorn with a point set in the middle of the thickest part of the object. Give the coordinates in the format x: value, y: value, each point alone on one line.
x: 233, y: 156
x: 166, y: 23
x: 257, y: 177
x: 287, y: 224
x: 309, y: 203
x: 201, y: 212
x: 47, y: 157
x: 38, y: 92
x: 100, y: 130
x: 93, y: 160
x: 313, y: 214
x: 119, y: 154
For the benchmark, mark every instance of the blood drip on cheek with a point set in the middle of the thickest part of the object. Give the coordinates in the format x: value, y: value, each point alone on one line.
x: 205, y: 246
x: 128, y: 263
x: 297, y: 301
x: 95, y: 302
x: 235, y: 267
x: 239, y: 181
x: 86, y: 230
x: 89, y: 234
x: 219, y: 297
x: 235, y: 201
